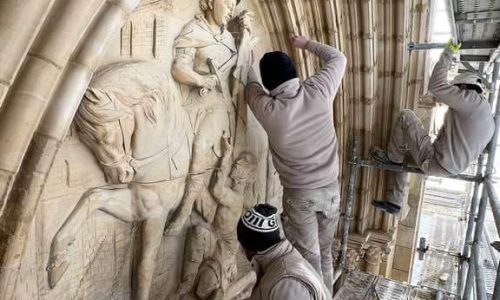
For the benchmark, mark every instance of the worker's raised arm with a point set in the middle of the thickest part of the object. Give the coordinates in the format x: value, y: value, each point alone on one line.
x: 329, y: 77
x: 444, y: 91
x: 438, y: 82
x: 255, y: 96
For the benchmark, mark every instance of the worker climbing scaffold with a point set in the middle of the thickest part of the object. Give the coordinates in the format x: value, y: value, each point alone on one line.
x: 468, y: 128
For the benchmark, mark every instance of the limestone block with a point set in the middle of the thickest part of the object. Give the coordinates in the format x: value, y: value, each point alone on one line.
x: 19, y: 24
x: 63, y: 30
x: 402, y: 258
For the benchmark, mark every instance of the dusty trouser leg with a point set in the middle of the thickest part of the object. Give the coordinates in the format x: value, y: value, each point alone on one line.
x: 300, y: 224
x: 327, y: 226
x: 408, y: 135
x: 398, y: 187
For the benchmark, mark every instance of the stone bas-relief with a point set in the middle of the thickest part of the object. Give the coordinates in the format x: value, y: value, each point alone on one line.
x: 138, y: 132
x: 210, y: 64
x: 153, y: 136
x: 210, y: 257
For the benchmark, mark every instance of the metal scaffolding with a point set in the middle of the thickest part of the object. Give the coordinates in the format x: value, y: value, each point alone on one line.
x: 482, y: 48
x: 470, y: 269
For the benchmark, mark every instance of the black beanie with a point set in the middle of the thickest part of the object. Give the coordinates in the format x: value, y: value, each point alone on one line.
x: 275, y: 68
x: 258, y: 228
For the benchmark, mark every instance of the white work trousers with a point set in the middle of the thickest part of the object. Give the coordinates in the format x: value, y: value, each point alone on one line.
x: 310, y: 220
x: 409, y: 136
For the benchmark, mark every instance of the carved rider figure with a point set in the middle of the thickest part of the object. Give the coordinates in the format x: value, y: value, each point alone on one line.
x: 210, y: 64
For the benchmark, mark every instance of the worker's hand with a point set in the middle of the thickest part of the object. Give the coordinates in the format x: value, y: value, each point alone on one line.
x: 452, y: 46
x: 299, y: 41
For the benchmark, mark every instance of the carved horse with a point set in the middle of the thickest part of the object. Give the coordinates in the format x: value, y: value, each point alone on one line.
x: 132, y: 120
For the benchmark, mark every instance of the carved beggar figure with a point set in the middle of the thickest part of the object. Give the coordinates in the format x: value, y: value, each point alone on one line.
x: 219, y: 270
x: 210, y: 64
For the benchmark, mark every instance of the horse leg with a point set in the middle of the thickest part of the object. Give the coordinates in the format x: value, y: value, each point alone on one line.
x: 113, y: 201
x: 151, y: 238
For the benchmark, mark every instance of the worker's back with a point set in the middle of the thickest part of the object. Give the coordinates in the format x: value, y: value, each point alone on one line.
x: 298, y: 119
x: 284, y: 271
x: 468, y: 125
x: 302, y: 137
x: 464, y: 134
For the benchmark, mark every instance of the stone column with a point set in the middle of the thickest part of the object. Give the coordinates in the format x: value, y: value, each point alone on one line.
x: 373, y: 258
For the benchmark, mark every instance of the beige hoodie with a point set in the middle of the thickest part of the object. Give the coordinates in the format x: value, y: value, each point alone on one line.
x: 468, y: 125
x: 283, y: 274
x: 298, y: 119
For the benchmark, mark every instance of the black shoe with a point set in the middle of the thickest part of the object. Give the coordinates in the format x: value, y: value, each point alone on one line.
x: 496, y: 245
x: 387, y: 206
x: 381, y: 156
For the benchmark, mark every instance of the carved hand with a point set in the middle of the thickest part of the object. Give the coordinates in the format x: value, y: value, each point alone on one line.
x: 245, y: 20
x: 209, y: 82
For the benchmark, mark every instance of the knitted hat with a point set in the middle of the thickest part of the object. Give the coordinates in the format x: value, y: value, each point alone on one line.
x: 258, y: 228
x: 275, y: 68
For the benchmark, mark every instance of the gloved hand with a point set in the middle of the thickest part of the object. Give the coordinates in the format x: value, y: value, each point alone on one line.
x: 452, y: 46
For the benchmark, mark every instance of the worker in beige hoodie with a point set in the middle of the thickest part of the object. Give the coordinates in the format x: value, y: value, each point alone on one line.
x: 298, y: 119
x: 282, y: 273
x: 468, y: 127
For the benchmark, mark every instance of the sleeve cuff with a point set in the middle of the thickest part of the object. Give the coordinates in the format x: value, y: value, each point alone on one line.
x: 448, y: 52
x: 311, y: 45
x: 252, y: 76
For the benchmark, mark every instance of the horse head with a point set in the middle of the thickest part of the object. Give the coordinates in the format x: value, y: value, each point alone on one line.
x: 128, y: 105
x: 106, y: 127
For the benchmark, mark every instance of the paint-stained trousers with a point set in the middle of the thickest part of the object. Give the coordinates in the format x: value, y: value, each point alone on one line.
x: 409, y: 136
x: 310, y: 220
